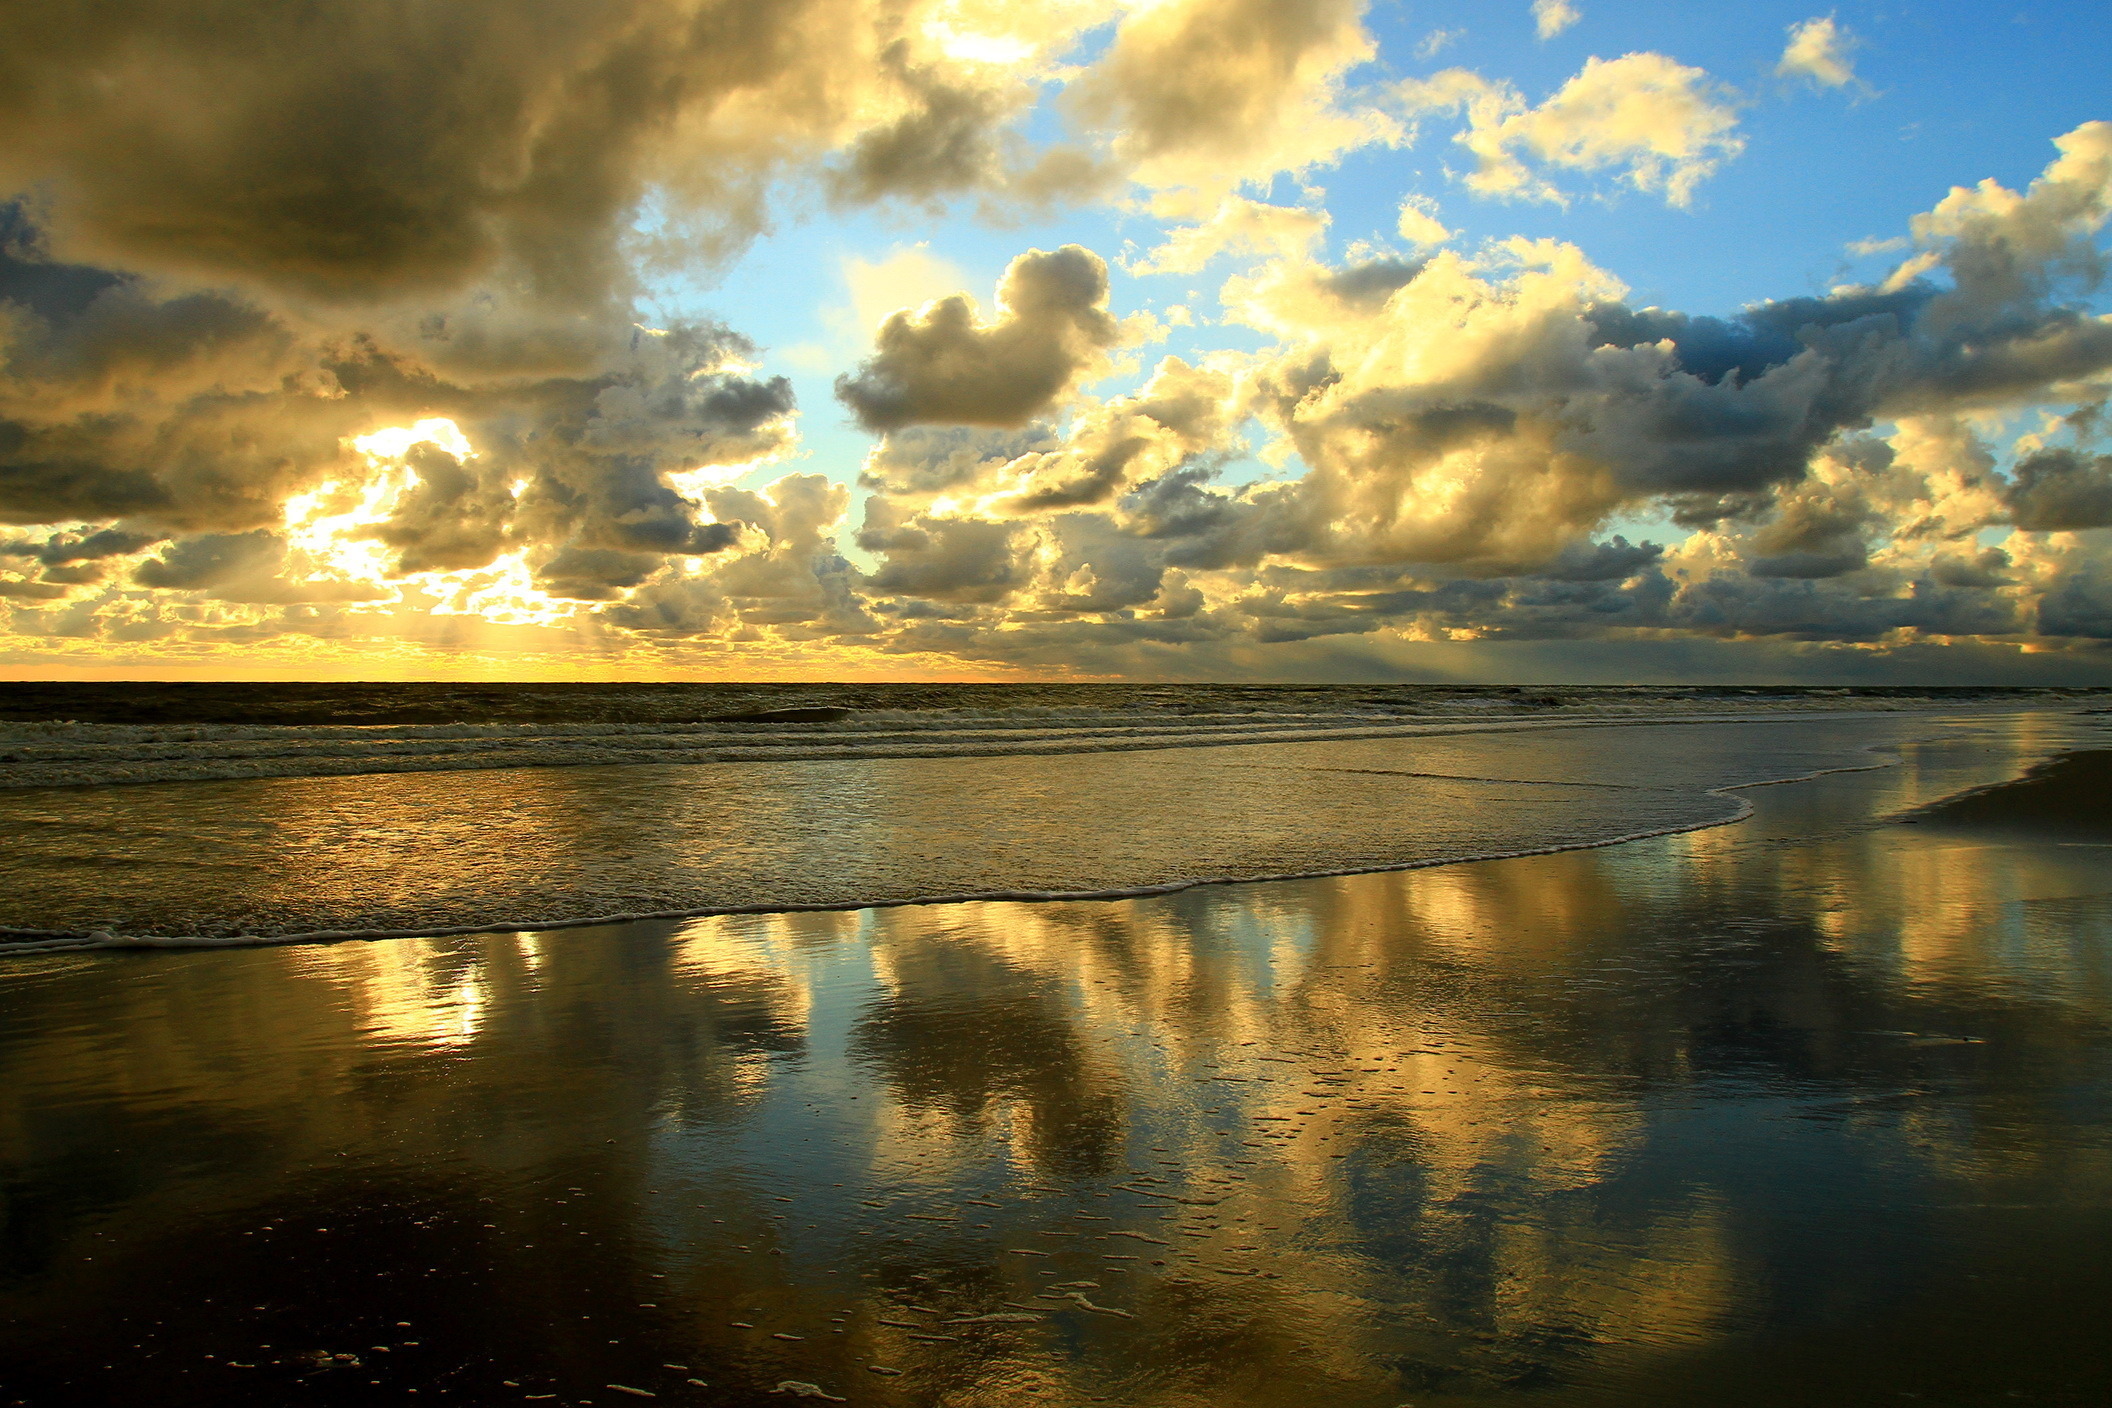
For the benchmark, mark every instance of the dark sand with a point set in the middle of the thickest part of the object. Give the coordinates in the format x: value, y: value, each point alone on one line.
x: 2068, y: 797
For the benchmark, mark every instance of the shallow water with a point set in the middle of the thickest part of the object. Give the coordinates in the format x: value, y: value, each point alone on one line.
x: 523, y: 847
x: 1810, y: 1109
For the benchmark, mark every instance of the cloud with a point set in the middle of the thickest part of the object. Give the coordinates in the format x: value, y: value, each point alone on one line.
x: 241, y: 567
x: 948, y: 143
x: 907, y: 278
x: 1491, y: 407
x: 212, y: 560
x: 1436, y: 42
x: 257, y: 237
x: 925, y: 461
x: 198, y: 409
x: 314, y: 152
x: 1419, y: 224
x: 2074, y: 597
x: 2060, y: 490
x: 1551, y: 17
x: 1819, y: 50
x: 1182, y: 414
x: 947, y: 366
x: 941, y: 559
x: 455, y: 516
x: 254, y: 239
x: 1471, y: 425
x: 1209, y: 94
x: 784, y: 574
x: 2010, y: 250
x: 1652, y: 122
x: 1238, y: 226
x: 202, y: 413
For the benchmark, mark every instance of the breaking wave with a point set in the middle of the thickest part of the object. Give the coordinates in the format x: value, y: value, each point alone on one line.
x: 89, y: 754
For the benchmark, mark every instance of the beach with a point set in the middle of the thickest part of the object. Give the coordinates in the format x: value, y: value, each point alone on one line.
x: 1807, y: 1107
x: 951, y: 704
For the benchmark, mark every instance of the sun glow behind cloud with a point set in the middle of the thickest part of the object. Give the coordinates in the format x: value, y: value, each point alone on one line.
x: 334, y: 530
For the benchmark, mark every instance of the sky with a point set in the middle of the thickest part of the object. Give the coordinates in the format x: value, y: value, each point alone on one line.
x: 1524, y: 341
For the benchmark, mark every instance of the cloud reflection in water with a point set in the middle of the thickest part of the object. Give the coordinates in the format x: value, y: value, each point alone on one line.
x: 1630, y: 1125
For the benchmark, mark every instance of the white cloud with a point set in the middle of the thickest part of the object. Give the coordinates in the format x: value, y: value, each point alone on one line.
x: 1436, y: 42
x: 1239, y: 226
x: 1204, y: 95
x: 1551, y: 17
x: 1818, y: 50
x: 1419, y: 223
x: 1874, y: 245
x: 907, y: 278
x: 1656, y: 123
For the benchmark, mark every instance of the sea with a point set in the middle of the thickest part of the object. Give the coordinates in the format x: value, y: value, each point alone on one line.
x: 277, y: 813
x: 978, y: 1044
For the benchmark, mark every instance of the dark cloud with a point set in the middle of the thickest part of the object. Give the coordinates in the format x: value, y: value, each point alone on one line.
x: 947, y: 367
x: 1610, y: 561
x: 1986, y: 569
x: 2079, y: 602
x: 2061, y: 491
x: 1813, y: 536
x: 212, y: 560
x: 352, y: 153
x: 948, y: 143
x: 62, y: 548
x: 944, y: 559
x: 454, y: 518
x: 593, y: 573
x: 240, y: 567
x: 1367, y: 286
x: 199, y: 412
x: 1756, y: 341
x: 1734, y: 604
x: 920, y: 459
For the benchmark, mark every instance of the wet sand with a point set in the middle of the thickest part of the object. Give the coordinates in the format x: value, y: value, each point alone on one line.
x: 1812, y: 1109
x: 2066, y: 798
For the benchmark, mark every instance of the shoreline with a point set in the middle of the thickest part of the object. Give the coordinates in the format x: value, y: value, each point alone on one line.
x: 18, y: 939
x: 112, y: 942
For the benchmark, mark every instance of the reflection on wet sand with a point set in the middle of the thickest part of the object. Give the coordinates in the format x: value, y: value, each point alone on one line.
x: 1779, y: 1112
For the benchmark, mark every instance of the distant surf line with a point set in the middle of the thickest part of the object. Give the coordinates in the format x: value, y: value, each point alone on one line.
x: 28, y: 764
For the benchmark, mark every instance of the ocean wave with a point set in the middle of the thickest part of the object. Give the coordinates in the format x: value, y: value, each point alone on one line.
x: 26, y: 942
x: 70, y: 754
x: 319, y: 859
